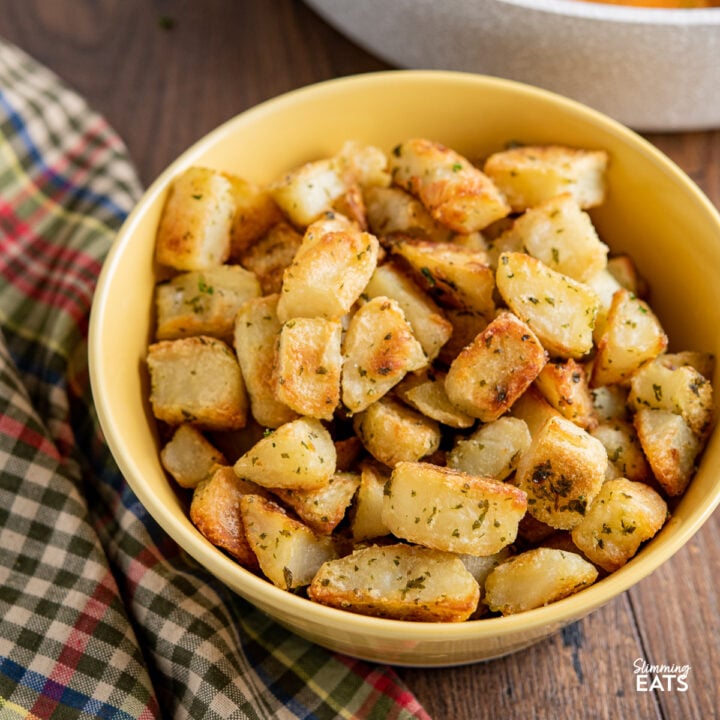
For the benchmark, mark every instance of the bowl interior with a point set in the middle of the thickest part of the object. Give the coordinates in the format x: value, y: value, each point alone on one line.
x: 653, y: 211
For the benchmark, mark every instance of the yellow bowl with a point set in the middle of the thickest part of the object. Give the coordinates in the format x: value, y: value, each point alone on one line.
x: 653, y: 211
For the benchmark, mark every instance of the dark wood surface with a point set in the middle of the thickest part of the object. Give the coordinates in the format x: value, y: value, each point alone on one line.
x: 164, y: 72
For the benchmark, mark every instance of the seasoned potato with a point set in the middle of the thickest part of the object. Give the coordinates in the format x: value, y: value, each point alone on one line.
x: 488, y: 375
x: 633, y: 335
x: 670, y: 446
x: 215, y: 511
x: 363, y: 165
x: 623, y: 516
x: 493, y: 450
x: 625, y: 272
x: 447, y: 509
x: 194, y: 229
x: 289, y: 553
x: 528, y: 175
x: 308, y: 364
x: 379, y: 349
x: 329, y: 271
x: 455, y: 192
x: 299, y: 455
x: 604, y: 286
x: 366, y: 521
x: 429, y: 325
x: 561, y: 473
x: 398, y: 581
x: 256, y: 330
x: 481, y: 566
x: 392, y: 432
x: 625, y: 454
x: 535, y: 578
x: 203, y: 302
x: 610, y: 402
x: 189, y: 456
x: 533, y: 409
x: 564, y: 384
x: 703, y: 362
x: 560, y: 310
x: 466, y: 326
x: 197, y: 380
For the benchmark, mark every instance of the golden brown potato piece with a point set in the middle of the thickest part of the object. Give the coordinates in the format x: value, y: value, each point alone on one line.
x: 625, y: 454
x: 379, y: 349
x: 194, y: 229
x: 270, y: 255
x: 528, y: 175
x: 561, y: 473
x: 366, y: 521
x: 197, y: 380
x: 625, y: 272
x: 623, y: 516
x: 398, y: 581
x: 535, y: 578
x: 189, y: 456
x: 455, y: 192
x: 491, y: 373
x: 533, y: 409
x: 446, y: 509
x: 610, y: 403
x: 466, y: 326
x: 564, y: 384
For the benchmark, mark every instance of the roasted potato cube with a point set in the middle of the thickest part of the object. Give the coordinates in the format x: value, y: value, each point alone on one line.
x: 605, y: 286
x: 298, y: 455
x: 194, y: 228
x: 366, y: 521
x: 392, y: 432
x: 533, y: 409
x: 197, y: 380
x: 703, y: 362
x: 670, y: 446
x: 379, y: 349
x: 625, y: 272
x: 255, y: 213
x: 466, y: 326
x: 625, y: 454
x: 493, y: 371
x: 270, y: 255
x: 398, y: 581
x: 682, y: 390
x: 308, y: 364
x: 256, y: 330
x: 560, y: 234
x: 289, y: 553
x: 329, y: 271
x: 450, y: 510
x: 610, y: 403
x: 203, y: 302
x: 215, y: 511
x: 633, y: 335
x: 363, y: 165
x: 453, y: 275
x: 564, y: 384
x: 428, y: 322
x: 623, y: 516
x: 323, y: 509
x: 481, y: 566
x: 189, y: 456
x: 561, y: 473
x: 535, y: 578
x: 528, y: 175
x: 493, y: 450
x: 560, y: 310
x: 455, y: 192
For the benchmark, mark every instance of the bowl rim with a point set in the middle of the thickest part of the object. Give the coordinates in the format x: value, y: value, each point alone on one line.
x: 217, y: 563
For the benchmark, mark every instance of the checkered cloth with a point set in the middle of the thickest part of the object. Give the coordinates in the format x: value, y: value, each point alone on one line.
x: 101, y: 614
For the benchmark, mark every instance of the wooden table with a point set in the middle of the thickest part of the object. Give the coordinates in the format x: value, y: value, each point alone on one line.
x: 164, y: 72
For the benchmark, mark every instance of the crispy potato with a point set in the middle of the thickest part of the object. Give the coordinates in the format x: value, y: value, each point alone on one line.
x: 605, y: 286
x: 366, y: 521
x: 308, y: 364
x: 528, y: 175
x: 215, y: 511
x: 625, y: 454
x: 289, y: 553
x: 256, y: 330
x: 561, y: 473
x: 481, y: 566
x: 450, y: 510
x: 203, y: 302
x: 194, y: 228
x: 533, y: 409
x: 560, y: 310
x: 392, y: 432
x: 623, y: 516
x: 670, y: 446
x: 493, y: 371
x: 197, y: 380
x: 429, y: 324
x: 535, y: 578
x: 703, y: 362
x: 633, y: 335
x: 564, y: 384
x: 398, y: 581
x: 298, y: 455
x: 329, y: 271
x: 363, y: 165
x: 625, y: 272
x: 493, y: 450
x: 610, y: 403
x: 466, y: 326
x: 455, y: 192
x: 189, y: 456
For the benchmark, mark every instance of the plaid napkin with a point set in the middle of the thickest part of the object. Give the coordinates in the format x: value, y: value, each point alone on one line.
x: 101, y: 614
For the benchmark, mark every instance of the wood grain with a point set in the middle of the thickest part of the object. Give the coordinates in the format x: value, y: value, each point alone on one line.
x: 164, y: 72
